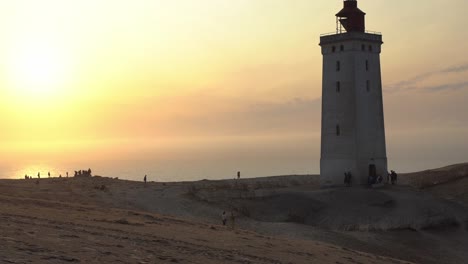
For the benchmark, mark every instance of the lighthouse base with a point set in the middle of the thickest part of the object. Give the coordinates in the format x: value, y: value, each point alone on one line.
x: 332, y: 171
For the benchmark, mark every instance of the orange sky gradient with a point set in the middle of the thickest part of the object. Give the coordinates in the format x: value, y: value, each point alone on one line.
x: 106, y: 77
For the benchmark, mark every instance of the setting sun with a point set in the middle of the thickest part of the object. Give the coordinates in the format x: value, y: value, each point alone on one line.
x: 37, y: 69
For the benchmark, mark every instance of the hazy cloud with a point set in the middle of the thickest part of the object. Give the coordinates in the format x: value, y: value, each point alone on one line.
x: 456, y: 69
x: 415, y: 79
x: 453, y: 86
x: 411, y: 84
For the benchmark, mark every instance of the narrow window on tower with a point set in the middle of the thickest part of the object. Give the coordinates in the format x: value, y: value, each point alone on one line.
x: 338, y: 66
x: 338, y: 130
x: 341, y: 48
x: 370, y: 47
x: 333, y: 49
x: 367, y: 65
x: 338, y: 87
x: 363, y: 47
x: 368, y: 86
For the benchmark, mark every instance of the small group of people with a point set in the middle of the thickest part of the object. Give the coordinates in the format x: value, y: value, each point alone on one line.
x: 378, y: 179
x: 83, y: 173
x: 27, y: 177
x: 375, y: 179
x: 224, y: 218
x: 79, y: 173
x: 392, y: 177
x: 347, y: 178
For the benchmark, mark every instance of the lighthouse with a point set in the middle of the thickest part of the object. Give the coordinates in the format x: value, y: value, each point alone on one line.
x: 353, y: 131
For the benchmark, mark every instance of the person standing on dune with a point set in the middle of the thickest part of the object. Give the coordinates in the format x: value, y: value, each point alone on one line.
x: 224, y: 217
x: 144, y: 179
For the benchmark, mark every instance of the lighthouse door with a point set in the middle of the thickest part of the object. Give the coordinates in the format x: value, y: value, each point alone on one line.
x: 372, y: 170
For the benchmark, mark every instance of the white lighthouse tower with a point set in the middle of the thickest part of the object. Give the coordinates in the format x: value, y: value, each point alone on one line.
x: 353, y: 132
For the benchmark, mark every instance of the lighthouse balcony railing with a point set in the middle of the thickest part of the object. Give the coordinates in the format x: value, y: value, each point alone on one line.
x: 367, y: 36
x: 344, y: 32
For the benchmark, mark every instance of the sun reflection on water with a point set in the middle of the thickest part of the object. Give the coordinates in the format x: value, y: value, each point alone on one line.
x: 34, y: 170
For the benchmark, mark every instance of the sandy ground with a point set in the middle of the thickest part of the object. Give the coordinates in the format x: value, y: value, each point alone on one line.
x: 285, y: 219
x: 44, y: 229
x: 450, y: 182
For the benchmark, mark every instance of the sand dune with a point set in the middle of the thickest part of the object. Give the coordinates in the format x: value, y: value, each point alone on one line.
x: 450, y: 182
x: 51, y: 223
x: 286, y: 219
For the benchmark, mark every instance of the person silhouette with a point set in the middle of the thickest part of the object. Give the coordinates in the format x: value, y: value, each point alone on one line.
x: 224, y: 218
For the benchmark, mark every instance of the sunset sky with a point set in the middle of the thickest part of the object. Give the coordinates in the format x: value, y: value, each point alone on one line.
x: 122, y: 76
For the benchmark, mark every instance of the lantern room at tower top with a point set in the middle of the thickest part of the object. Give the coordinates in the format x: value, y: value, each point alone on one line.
x: 351, y: 18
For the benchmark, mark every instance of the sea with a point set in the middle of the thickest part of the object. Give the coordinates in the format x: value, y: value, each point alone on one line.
x: 167, y: 171
x: 167, y: 165
x: 215, y: 162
